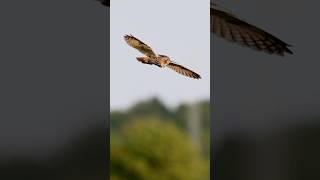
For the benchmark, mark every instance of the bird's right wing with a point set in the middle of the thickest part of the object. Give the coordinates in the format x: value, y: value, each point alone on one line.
x: 139, y: 45
x: 232, y: 28
x: 182, y: 70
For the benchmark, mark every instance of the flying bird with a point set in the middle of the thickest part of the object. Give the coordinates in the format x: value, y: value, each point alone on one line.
x: 229, y: 27
x: 157, y: 59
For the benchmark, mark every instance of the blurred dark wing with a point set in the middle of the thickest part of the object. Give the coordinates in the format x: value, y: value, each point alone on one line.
x: 105, y: 2
x: 233, y: 29
x: 139, y: 45
x: 184, y: 71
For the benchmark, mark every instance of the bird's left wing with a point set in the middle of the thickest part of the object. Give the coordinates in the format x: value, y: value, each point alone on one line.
x: 139, y: 45
x: 182, y: 70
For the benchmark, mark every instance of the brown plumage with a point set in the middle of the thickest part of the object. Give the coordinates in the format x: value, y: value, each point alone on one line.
x: 233, y: 29
x: 158, y: 60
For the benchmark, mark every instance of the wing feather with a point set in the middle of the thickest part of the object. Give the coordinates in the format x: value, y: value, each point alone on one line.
x: 184, y: 71
x: 233, y: 29
x: 139, y: 45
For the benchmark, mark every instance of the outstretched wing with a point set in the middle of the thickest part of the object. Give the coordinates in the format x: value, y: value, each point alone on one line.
x: 231, y: 28
x: 182, y: 70
x: 139, y: 45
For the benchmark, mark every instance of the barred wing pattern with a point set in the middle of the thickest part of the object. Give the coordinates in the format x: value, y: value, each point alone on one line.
x: 233, y: 29
x: 158, y: 60
x: 139, y: 45
x: 182, y: 70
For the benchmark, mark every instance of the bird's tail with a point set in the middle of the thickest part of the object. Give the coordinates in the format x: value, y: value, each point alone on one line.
x: 148, y: 60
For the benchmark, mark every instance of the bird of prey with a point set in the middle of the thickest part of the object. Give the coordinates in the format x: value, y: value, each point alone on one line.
x: 157, y: 59
x: 229, y: 27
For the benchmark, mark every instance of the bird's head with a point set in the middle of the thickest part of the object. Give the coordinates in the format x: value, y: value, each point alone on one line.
x: 126, y: 37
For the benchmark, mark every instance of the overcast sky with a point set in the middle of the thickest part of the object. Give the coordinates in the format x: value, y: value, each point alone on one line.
x: 179, y: 29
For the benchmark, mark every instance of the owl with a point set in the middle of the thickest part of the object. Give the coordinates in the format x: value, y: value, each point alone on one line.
x: 159, y: 60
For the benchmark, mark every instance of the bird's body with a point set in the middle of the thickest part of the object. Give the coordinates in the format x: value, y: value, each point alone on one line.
x: 157, y: 59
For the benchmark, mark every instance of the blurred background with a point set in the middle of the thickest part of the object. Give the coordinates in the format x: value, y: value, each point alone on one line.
x: 152, y: 141
x: 266, y: 109
x: 160, y: 120
x: 54, y: 83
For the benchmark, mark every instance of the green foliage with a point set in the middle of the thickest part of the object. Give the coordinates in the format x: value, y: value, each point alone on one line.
x: 151, y: 141
x: 152, y: 107
x: 150, y: 148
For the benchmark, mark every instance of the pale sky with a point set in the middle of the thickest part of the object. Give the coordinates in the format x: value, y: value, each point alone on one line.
x: 178, y: 29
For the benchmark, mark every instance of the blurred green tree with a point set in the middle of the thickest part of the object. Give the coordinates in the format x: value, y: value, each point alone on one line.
x: 155, y: 149
x: 179, y: 116
x: 151, y: 107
